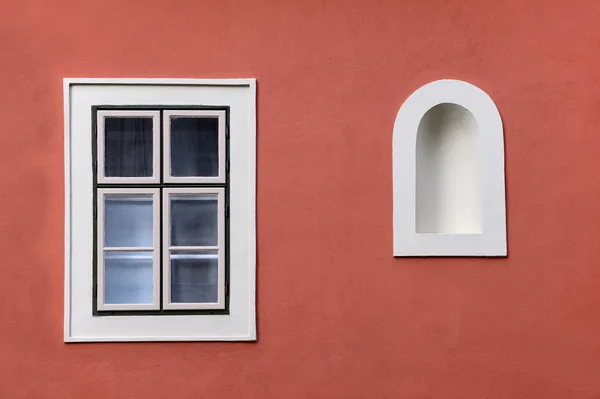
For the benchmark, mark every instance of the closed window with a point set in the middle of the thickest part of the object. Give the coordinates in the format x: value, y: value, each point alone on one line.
x: 160, y: 210
x: 160, y: 214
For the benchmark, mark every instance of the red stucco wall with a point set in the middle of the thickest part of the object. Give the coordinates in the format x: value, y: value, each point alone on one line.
x: 339, y: 317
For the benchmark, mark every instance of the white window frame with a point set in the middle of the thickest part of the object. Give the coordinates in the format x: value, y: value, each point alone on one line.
x: 492, y: 241
x: 239, y: 95
x: 155, y: 249
x: 220, y: 247
x: 220, y: 115
x: 155, y: 115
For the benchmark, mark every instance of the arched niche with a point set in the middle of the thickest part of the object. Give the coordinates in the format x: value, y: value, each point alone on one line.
x: 448, y: 167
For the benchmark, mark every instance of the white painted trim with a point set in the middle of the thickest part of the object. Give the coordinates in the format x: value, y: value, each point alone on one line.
x: 249, y: 82
x: 220, y: 115
x: 155, y: 115
x: 102, y: 193
x: 79, y: 323
x: 128, y: 249
x: 67, y: 245
x: 492, y: 242
x: 151, y: 338
x: 167, y: 247
x: 188, y: 248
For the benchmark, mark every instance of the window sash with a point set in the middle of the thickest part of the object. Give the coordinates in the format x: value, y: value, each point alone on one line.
x: 219, y: 248
x: 167, y: 114
x: 101, y: 249
x: 155, y: 115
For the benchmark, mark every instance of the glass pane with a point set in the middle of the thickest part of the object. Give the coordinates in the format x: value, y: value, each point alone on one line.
x: 128, y: 220
x: 194, y: 220
x: 128, y: 278
x: 194, y: 277
x: 127, y: 147
x: 194, y: 146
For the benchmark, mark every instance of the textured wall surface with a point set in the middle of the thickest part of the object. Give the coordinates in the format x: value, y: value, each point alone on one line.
x: 338, y: 316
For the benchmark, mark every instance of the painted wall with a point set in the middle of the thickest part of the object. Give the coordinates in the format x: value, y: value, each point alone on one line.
x: 339, y: 317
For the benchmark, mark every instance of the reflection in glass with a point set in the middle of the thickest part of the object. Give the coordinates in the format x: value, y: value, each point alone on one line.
x: 194, y: 277
x: 127, y: 147
x: 194, y: 220
x: 128, y: 278
x: 128, y: 220
x: 194, y: 146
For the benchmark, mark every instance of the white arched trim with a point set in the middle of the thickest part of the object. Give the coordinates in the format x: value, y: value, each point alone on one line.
x: 490, y: 239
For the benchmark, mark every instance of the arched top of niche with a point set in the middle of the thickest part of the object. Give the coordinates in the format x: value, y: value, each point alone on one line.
x: 490, y: 240
x: 468, y: 96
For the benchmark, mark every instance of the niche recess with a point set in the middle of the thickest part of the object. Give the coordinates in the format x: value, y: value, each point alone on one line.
x: 448, y: 154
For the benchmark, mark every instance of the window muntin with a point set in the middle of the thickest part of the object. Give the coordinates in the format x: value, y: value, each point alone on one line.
x: 128, y: 146
x: 186, y: 270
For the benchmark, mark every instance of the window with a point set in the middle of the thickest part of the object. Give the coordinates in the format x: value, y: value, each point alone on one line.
x: 160, y: 226
x: 448, y: 156
x: 160, y: 210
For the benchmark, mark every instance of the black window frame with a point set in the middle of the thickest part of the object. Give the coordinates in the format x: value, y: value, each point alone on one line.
x: 160, y: 185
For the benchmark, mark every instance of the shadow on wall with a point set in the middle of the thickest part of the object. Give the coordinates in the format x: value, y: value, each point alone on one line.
x: 448, y: 181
